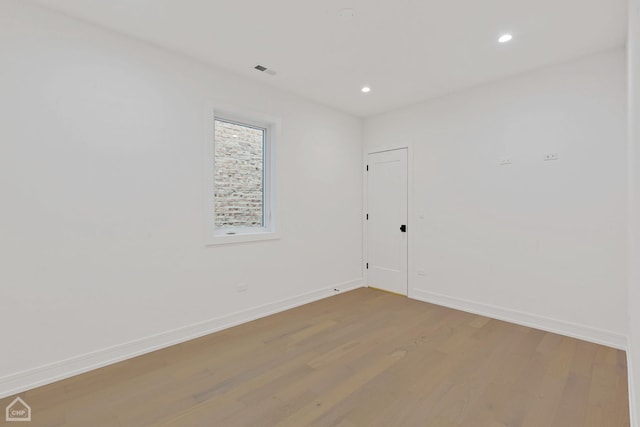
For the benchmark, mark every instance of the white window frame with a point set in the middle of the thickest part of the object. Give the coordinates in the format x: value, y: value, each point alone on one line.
x: 216, y: 236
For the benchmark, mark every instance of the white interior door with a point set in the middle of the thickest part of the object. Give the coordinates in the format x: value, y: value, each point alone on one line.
x: 387, y: 218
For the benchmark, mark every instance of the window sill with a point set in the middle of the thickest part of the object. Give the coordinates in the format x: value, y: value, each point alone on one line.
x: 227, y: 239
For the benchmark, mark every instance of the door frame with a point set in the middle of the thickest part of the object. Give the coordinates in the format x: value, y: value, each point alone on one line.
x: 410, y: 211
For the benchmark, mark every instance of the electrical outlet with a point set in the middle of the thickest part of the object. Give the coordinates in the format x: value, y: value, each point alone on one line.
x: 550, y: 156
x: 242, y: 287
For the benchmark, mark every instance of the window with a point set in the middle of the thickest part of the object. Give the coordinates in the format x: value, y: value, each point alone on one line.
x: 238, y: 176
x: 240, y: 196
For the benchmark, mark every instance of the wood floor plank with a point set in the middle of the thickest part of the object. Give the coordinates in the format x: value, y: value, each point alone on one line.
x: 364, y: 358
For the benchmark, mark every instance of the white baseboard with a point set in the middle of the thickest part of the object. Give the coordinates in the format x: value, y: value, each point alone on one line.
x: 26, y: 380
x: 585, y: 333
x: 348, y: 286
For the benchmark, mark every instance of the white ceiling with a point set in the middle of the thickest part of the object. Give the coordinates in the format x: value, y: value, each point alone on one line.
x: 406, y: 50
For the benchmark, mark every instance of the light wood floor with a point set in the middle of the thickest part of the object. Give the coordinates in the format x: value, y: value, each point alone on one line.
x: 363, y: 358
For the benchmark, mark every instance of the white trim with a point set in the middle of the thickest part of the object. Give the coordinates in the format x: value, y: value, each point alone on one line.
x: 241, y: 238
x: 582, y: 332
x: 273, y: 127
x: 26, y: 380
x: 348, y: 286
x: 365, y: 212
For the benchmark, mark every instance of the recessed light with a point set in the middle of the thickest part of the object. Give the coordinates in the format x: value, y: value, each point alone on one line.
x: 366, y: 89
x: 505, y: 38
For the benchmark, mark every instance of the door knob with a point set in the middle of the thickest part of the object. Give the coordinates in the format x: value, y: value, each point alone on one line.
x: 403, y: 228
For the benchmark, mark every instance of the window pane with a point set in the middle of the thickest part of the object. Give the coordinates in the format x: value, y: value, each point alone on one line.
x: 239, y: 175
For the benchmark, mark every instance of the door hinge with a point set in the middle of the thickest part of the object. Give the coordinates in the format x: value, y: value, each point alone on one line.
x: 367, y: 167
x: 367, y: 266
x: 367, y: 216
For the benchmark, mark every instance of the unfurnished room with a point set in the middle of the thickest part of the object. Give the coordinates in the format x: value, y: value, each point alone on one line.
x: 338, y: 213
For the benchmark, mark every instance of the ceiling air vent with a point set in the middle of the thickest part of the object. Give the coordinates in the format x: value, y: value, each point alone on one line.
x: 265, y: 70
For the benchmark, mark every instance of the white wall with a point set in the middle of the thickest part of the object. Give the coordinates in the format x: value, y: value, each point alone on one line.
x: 101, y: 222
x: 633, y: 49
x: 540, y: 243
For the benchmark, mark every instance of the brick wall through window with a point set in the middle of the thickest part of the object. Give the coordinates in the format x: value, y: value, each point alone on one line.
x: 238, y: 175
